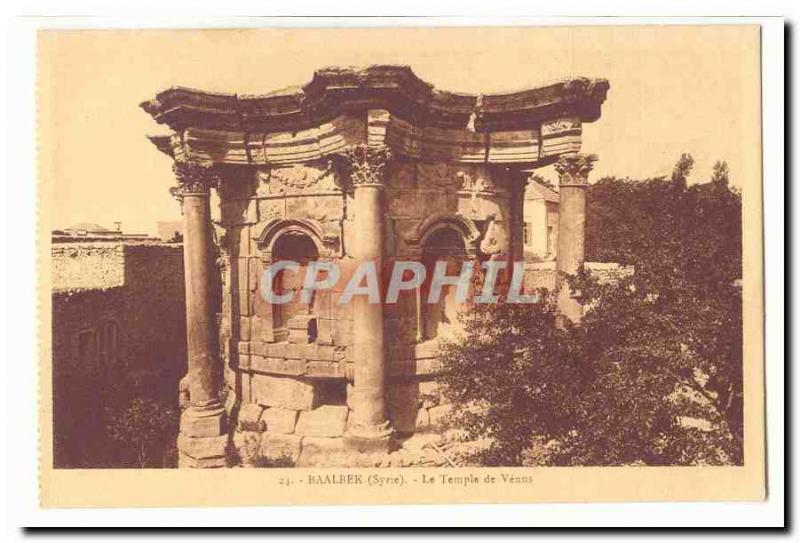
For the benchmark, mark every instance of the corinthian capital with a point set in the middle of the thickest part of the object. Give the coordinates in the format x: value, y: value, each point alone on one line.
x: 365, y: 164
x: 193, y: 177
x: 574, y: 169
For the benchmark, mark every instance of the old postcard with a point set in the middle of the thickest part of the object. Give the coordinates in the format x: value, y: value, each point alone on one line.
x: 400, y: 265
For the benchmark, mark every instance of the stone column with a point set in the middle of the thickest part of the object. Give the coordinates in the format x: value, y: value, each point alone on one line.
x: 370, y: 430
x: 573, y: 172
x: 202, y: 438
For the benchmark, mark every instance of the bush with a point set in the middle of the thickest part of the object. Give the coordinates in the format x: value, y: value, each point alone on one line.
x: 142, y: 434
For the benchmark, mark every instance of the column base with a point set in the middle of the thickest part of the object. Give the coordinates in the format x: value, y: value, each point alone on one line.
x: 370, y: 439
x: 202, y: 452
x: 186, y: 461
x: 205, y: 421
x: 203, y: 437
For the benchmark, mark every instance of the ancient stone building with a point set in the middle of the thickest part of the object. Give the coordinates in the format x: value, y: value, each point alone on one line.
x: 357, y: 165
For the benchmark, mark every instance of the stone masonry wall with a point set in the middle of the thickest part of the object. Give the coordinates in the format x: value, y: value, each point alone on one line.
x: 87, y: 265
x: 294, y: 397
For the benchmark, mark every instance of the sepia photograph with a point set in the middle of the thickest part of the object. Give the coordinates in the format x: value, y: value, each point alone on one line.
x: 401, y: 265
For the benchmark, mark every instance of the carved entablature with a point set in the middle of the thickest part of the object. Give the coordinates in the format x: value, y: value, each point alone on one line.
x: 574, y: 169
x: 561, y: 136
x: 193, y: 177
x: 345, y: 108
x: 297, y: 179
x: 364, y: 165
x: 559, y: 126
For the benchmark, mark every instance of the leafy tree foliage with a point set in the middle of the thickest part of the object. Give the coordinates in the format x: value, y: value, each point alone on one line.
x: 653, y: 373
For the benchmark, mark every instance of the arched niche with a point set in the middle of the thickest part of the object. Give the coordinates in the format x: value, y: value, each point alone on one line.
x: 432, y: 226
x: 301, y: 241
x: 277, y: 228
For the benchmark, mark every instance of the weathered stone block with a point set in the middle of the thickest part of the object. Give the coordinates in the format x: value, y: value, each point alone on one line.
x: 258, y: 331
x: 244, y: 328
x: 280, y: 366
x: 247, y: 395
x: 300, y: 322
x: 185, y: 461
x: 324, y: 452
x: 427, y: 349
x: 245, y: 299
x: 250, y: 418
x: 245, y: 361
x: 244, y: 240
x: 325, y: 353
x: 324, y: 369
x: 193, y: 425
x: 254, y: 268
x: 261, y: 307
x: 324, y: 333
x: 202, y: 447
x: 286, y: 392
x: 276, y: 446
x: 248, y: 445
x: 325, y: 421
x: 298, y: 336
x: 239, y: 267
x: 278, y: 420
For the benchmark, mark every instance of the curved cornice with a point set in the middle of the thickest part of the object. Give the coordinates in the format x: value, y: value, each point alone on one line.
x: 334, y: 91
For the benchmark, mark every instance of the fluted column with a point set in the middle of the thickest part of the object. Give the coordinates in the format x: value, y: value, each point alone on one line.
x: 202, y: 438
x: 573, y: 172
x: 370, y: 430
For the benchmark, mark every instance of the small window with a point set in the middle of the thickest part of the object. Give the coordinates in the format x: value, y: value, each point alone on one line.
x: 526, y: 233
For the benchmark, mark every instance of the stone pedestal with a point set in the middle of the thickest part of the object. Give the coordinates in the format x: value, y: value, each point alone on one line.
x: 573, y: 171
x: 202, y: 439
x: 370, y: 430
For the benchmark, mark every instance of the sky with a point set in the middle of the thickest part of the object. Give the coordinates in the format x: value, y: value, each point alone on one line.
x: 673, y: 90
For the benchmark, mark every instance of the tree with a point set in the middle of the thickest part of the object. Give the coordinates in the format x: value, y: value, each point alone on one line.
x: 653, y: 373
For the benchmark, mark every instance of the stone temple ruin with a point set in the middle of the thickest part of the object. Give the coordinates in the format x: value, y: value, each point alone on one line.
x: 358, y: 164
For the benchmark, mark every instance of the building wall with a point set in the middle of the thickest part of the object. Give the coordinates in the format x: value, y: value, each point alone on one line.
x: 535, y: 229
x: 541, y: 225
x: 118, y: 310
